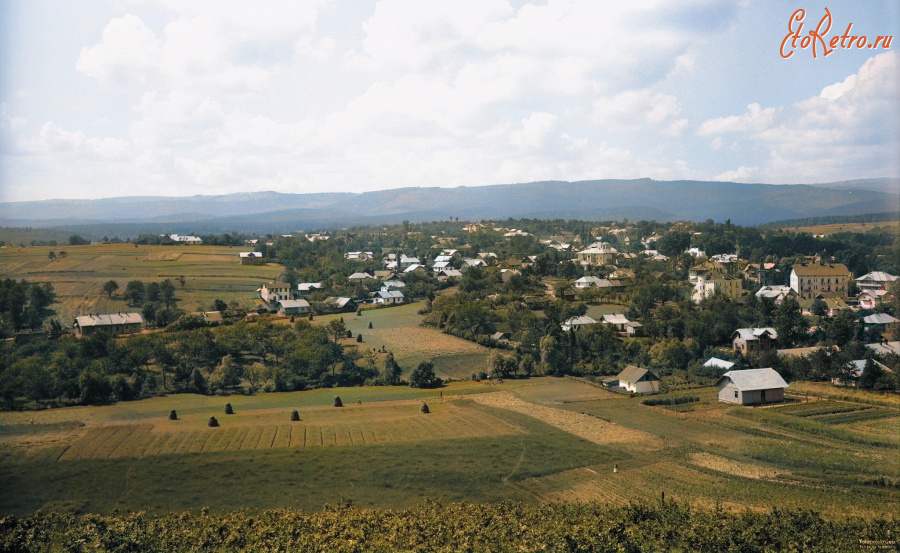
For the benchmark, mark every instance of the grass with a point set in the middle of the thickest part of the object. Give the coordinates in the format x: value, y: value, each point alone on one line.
x: 384, y: 453
x: 826, y: 390
x: 211, y: 272
x: 828, y: 230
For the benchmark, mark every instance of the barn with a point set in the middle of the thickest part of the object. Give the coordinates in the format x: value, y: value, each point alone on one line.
x: 751, y: 387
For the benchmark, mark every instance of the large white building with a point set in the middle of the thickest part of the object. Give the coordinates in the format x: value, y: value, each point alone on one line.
x: 814, y: 279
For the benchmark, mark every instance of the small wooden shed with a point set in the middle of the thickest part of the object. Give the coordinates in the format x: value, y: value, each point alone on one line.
x: 751, y: 387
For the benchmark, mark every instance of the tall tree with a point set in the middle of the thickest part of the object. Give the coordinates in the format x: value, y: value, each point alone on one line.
x: 110, y: 287
x: 792, y: 328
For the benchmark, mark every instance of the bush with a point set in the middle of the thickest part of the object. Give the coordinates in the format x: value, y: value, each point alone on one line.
x: 423, y: 376
x: 671, y: 400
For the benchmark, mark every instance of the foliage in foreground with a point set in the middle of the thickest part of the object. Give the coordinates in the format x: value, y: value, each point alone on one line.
x: 663, y: 526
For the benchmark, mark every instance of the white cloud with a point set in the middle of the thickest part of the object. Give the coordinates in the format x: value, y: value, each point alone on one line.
x: 128, y: 51
x: 755, y: 119
x: 534, y: 130
x: 741, y: 174
x: 640, y: 109
x: 847, y: 131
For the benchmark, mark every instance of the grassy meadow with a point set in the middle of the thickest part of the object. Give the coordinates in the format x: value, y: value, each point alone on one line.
x: 533, y: 440
x: 210, y: 272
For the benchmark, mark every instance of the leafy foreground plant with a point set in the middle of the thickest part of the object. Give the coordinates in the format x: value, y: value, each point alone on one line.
x: 663, y: 526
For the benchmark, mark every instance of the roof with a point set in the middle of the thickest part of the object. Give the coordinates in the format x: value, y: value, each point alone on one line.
x: 832, y: 269
x: 306, y: 286
x: 452, y: 272
x: 440, y: 264
x: 633, y: 374
x: 251, y: 254
x: 755, y: 379
x: 341, y: 302
x: 718, y: 363
x: 582, y: 320
x: 386, y: 294
x: 413, y: 267
x: 878, y: 276
x: 359, y: 276
x: 774, y: 291
x: 885, y: 347
x: 879, y: 319
x: 109, y: 320
x: 755, y: 333
x: 292, y: 304
x: 615, y: 318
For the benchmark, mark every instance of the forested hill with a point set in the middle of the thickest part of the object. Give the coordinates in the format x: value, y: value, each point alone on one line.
x: 745, y: 204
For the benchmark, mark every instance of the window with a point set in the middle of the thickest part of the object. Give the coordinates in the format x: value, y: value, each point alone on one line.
x: 735, y: 394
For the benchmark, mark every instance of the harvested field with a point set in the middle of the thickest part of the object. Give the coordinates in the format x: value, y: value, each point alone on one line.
x: 584, y: 426
x: 736, y: 468
x: 391, y: 422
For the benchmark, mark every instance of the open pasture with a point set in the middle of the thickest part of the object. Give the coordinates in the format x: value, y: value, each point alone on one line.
x: 397, y: 330
x: 210, y: 272
x: 534, y: 440
x: 828, y: 230
x: 380, y: 423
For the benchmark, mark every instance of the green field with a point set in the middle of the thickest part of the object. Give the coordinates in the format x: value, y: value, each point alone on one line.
x: 397, y: 330
x: 210, y: 272
x: 535, y: 440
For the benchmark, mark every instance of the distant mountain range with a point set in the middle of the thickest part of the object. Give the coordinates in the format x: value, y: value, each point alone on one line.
x: 744, y: 204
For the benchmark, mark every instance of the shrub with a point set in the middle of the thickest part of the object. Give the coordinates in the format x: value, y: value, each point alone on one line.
x: 671, y: 400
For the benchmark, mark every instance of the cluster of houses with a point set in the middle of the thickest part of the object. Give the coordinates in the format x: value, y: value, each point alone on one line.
x: 743, y: 387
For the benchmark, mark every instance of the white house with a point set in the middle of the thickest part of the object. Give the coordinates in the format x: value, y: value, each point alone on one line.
x: 577, y: 322
x: 274, y: 292
x: 751, y: 387
x: 185, y: 239
x: 777, y: 293
x: 638, y: 380
x: 754, y: 340
x: 360, y: 276
x: 589, y: 282
x: 618, y: 320
x: 877, y: 280
x: 252, y: 258
x: 388, y: 285
x: 388, y: 297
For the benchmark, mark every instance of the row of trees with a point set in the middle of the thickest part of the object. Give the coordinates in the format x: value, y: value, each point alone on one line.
x: 24, y: 305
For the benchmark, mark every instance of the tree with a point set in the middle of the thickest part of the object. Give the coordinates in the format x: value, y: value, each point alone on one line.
x: 219, y: 305
x: 134, y: 293
x: 841, y: 328
x: 51, y: 255
x: 110, y: 287
x: 181, y: 280
x: 336, y: 329
x: 674, y: 243
x: 819, y: 308
x: 392, y: 372
x: 423, y: 376
x: 167, y: 292
x: 78, y: 240
x: 792, y: 328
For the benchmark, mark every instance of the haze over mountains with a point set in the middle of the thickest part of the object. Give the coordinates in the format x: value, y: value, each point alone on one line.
x: 744, y: 204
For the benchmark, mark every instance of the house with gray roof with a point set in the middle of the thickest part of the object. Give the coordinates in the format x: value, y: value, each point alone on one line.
x: 751, y: 387
x: 578, y: 322
x: 638, y: 380
x: 753, y: 341
x: 114, y: 324
x: 293, y: 307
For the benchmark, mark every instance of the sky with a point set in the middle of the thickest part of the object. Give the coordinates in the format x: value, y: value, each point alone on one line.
x: 106, y: 98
